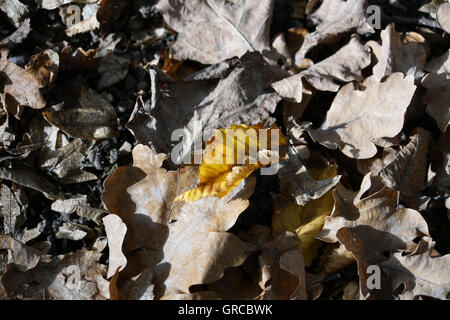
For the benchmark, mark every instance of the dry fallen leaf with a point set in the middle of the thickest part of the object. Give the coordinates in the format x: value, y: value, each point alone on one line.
x: 407, y: 171
x: 281, y: 265
x: 357, y: 117
x: 420, y: 272
x: 301, y: 186
x: 94, y: 119
x: 19, y: 88
x: 440, y: 64
x: 306, y: 220
x: 212, y: 31
x: 335, y: 17
x: 22, y: 256
x: 15, y: 10
x: 395, y: 56
x: 156, y: 226
x: 44, y: 66
x: 53, y: 4
x: 437, y: 98
x: 225, y: 164
x: 443, y: 16
x: 232, y: 92
x: 65, y: 163
x: 75, y: 276
x: 80, y: 206
x: 344, y: 66
x: 378, y: 211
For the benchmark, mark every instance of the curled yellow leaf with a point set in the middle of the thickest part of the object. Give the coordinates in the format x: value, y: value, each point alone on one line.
x: 232, y: 155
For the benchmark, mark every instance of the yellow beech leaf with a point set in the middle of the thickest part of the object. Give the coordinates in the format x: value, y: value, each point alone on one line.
x: 307, y: 220
x: 232, y: 155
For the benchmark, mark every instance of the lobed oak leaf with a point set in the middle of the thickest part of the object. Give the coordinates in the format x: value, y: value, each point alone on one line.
x: 210, y: 31
x: 378, y: 210
x: 333, y: 18
x: 421, y: 272
x: 184, y: 243
x: 301, y: 186
x: 358, y: 117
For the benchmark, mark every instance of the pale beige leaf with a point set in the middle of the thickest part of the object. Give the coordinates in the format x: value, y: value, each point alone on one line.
x: 377, y: 211
x: 210, y: 31
x: 443, y: 16
x: 335, y: 17
x: 344, y: 66
x: 395, y: 56
x: 421, y: 273
x: 185, y: 243
x: 115, y: 230
x: 53, y: 4
x: 20, y: 88
x: 357, y: 117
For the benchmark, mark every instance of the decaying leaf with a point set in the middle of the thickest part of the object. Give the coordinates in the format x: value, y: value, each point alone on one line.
x: 212, y: 31
x: 295, y: 178
x: 9, y: 209
x: 156, y: 226
x: 22, y: 256
x: 65, y: 163
x: 44, y: 66
x: 94, y: 119
x: 306, y: 220
x: 113, y: 69
x: 407, y: 171
x: 393, y: 55
x: 75, y: 276
x: 357, y: 117
x: 443, y: 16
x: 437, y: 98
x: 335, y: 17
x: 232, y: 92
x: 27, y: 177
x: 226, y: 164
x: 15, y: 10
x: 421, y: 272
x: 19, y: 88
x: 80, y: 206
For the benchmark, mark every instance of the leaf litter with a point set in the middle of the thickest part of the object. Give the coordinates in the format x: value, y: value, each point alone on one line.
x: 106, y: 107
